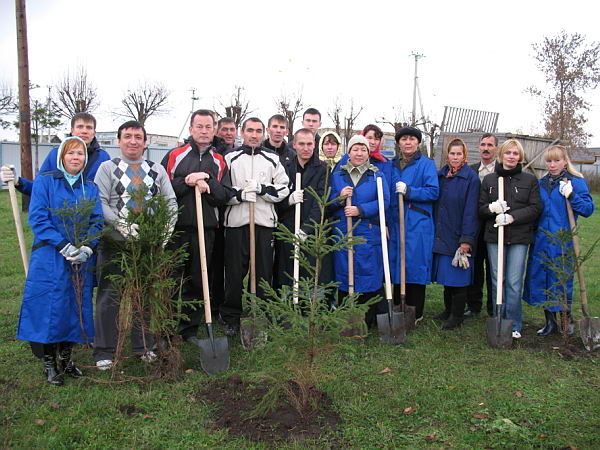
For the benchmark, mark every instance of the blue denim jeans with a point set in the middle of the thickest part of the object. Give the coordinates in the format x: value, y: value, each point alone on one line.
x: 514, y: 269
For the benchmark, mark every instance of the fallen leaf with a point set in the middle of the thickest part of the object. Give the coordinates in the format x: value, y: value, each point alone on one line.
x: 364, y: 394
x: 53, y: 428
x: 148, y: 416
x: 572, y: 447
x: 430, y: 436
x: 55, y: 405
x: 384, y: 371
x: 451, y: 388
x: 480, y: 416
x: 555, y: 348
x: 481, y: 404
x: 406, y: 350
x: 542, y: 436
x: 518, y: 394
x: 189, y: 371
x: 409, y: 410
x: 39, y: 421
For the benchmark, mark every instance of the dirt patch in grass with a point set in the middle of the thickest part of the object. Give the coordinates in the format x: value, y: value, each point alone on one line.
x: 553, y: 343
x: 236, y: 398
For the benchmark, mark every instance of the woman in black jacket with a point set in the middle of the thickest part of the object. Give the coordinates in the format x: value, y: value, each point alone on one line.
x: 517, y: 213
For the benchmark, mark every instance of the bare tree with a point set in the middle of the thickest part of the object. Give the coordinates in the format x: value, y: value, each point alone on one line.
x: 238, y: 108
x: 350, y: 120
x: 571, y: 68
x: 344, y: 122
x: 399, y: 121
x: 74, y: 93
x: 147, y: 99
x: 290, y: 105
x: 335, y: 116
x: 7, y: 104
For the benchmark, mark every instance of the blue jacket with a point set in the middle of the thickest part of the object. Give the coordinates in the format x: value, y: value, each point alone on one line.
x: 421, y: 177
x: 553, y: 218
x: 456, y: 211
x: 95, y: 157
x: 50, y: 311
x: 368, y: 257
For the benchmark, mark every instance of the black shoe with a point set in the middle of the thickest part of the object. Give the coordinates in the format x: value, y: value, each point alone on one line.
x: 551, y: 325
x: 230, y: 330
x: 67, y: 366
x: 452, y: 322
x: 442, y: 316
x: 471, y: 313
x: 53, y: 376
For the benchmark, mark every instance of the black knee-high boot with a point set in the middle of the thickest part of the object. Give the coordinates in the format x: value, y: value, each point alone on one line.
x: 50, y: 369
x: 459, y: 299
x: 444, y: 315
x: 551, y: 325
x: 65, y: 349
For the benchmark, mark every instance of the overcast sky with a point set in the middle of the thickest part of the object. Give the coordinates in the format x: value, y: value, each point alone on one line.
x: 478, y: 54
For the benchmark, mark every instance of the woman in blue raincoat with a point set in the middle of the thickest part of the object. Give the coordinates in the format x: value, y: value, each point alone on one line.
x: 357, y: 179
x: 62, y: 252
x: 415, y: 178
x: 562, y: 183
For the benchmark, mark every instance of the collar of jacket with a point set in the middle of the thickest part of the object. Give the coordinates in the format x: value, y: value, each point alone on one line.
x: 413, y: 159
x: 195, y: 147
x: 251, y: 150
x: 279, y: 149
x: 549, y: 183
x: 462, y: 173
x: 502, y: 172
x: 57, y: 174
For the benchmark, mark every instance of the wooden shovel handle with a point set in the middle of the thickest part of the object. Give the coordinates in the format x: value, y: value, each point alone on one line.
x: 18, y: 225
x: 297, y: 212
x: 350, y: 251
x: 202, y: 247
x: 402, y: 247
x: 384, y: 247
x: 500, y: 269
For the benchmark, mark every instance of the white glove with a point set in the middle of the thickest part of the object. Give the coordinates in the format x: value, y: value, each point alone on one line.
x: 296, y: 197
x: 504, y: 219
x: 126, y: 231
x: 461, y: 259
x: 69, y: 251
x: 7, y: 173
x: 81, y: 257
x: 301, y: 235
x: 565, y: 188
x: 498, y: 207
x: 169, y: 234
x: 252, y: 186
x: 249, y: 196
x: 401, y: 188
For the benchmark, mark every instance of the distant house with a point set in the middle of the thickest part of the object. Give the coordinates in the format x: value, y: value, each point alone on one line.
x: 108, y: 138
x: 586, y: 160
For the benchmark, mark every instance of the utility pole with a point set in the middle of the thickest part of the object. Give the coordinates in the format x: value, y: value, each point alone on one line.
x: 194, y: 98
x: 415, y: 87
x: 24, y: 108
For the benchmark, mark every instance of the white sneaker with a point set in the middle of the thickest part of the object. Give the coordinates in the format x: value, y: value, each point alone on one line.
x: 149, y: 357
x: 104, y: 364
x: 516, y: 335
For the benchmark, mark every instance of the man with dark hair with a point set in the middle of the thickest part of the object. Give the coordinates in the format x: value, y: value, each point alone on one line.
x: 117, y: 179
x: 311, y: 119
x: 197, y: 163
x: 488, y: 146
x: 83, y: 125
x: 256, y: 176
x: 227, y: 131
x: 277, y: 128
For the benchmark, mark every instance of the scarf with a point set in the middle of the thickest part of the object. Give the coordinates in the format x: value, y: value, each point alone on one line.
x: 453, y: 171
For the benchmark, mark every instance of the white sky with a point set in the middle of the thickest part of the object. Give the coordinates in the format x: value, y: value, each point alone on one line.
x: 478, y: 54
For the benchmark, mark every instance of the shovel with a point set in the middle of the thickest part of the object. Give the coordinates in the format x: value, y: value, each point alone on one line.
x: 499, y: 331
x: 391, y: 326
x: 409, y: 311
x: 214, y: 352
x: 296, y: 244
x: 589, y: 327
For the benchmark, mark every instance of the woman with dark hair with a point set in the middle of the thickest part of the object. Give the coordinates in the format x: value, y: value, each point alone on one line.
x: 456, y: 227
x: 562, y: 184
x: 517, y: 213
x: 52, y: 313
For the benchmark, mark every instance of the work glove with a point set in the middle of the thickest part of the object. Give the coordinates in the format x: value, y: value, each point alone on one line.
x: 565, y: 188
x: 498, y: 207
x: 69, y: 251
x: 401, y: 188
x: 7, y: 173
x: 249, y: 196
x: 296, y: 196
x: 461, y: 259
x: 169, y: 234
x: 504, y: 219
x: 81, y: 257
x: 301, y: 235
x: 252, y: 186
x: 128, y: 231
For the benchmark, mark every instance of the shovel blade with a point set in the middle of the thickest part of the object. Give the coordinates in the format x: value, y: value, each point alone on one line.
x: 499, y: 332
x: 392, y: 329
x: 214, y: 356
x: 589, y: 329
x: 253, y: 332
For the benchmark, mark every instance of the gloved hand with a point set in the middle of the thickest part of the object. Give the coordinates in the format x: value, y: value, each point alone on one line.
x: 504, y: 219
x: 498, y: 207
x: 69, y: 251
x: 128, y: 232
x: 301, y: 235
x: 296, y: 197
x: 461, y: 259
x: 81, y: 257
x: 7, y: 173
x: 249, y: 196
x: 252, y: 186
x: 565, y: 188
x: 401, y: 188
x: 169, y: 234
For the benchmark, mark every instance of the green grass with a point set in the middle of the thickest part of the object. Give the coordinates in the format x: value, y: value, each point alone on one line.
x: 523, y: 398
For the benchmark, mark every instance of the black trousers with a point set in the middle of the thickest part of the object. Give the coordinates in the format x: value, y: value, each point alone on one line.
x: 237, y: 261
x: 415, y: 296
x: 454, y: 300
x: 216, y: 271
x: 191, y: 290
x: 481, y: 274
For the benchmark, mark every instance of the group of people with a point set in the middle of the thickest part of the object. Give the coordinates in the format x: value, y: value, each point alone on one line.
x: 451, y: 218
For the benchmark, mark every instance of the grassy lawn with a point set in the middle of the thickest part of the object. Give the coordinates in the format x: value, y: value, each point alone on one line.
x: 460, y: 392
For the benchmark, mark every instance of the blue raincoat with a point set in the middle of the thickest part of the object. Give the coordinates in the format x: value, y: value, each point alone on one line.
x: 50, y: 312
x: 554, y: 217
x: 423, y: 190
x: 368, y: 259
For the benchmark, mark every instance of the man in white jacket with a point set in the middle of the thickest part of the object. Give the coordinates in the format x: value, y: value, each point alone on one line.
x: 256, y: 177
